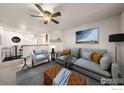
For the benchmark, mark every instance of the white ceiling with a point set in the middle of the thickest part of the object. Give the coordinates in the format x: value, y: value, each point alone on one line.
x: 18, y: 15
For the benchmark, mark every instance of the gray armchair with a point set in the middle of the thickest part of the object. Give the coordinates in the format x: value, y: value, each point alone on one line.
x: 39, y: 56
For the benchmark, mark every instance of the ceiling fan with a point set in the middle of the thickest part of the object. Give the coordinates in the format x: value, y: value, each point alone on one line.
x: 47, y: 16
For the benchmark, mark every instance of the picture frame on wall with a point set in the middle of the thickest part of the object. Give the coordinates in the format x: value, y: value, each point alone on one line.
x: 90, y: 35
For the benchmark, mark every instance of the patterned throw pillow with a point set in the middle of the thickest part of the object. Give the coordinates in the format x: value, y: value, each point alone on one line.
x: 67, y: 52
x: 96, y: 57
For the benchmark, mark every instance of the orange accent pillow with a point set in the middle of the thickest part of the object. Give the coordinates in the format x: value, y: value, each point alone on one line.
x: 96, y: 57
x: 66, y: 52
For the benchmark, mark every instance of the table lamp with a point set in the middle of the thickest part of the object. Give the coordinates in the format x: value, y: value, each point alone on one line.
x: 53, y: 47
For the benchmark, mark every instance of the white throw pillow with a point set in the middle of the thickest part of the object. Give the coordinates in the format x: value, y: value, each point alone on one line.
x: 105, y: 62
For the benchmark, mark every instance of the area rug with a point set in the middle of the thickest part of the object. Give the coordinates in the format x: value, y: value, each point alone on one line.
x: 34, y: 76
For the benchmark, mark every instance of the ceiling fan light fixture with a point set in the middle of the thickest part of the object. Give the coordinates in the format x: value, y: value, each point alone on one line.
x: 47, y: 17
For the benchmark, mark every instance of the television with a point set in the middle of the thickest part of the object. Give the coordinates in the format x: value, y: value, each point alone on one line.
x: 87, y: 36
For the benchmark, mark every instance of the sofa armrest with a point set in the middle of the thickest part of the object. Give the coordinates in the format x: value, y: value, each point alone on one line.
x: 59, y: 53
x: 115, y: 70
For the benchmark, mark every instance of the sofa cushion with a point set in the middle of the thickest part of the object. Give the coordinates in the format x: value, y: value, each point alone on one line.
x: 87, y: 55
x: 37, y: 51
x: 74, y: 52
x: 40, y: 57
x: 101, y: 51
x: 44, y: 51
x: 105, y: 62
x: 91, y: 66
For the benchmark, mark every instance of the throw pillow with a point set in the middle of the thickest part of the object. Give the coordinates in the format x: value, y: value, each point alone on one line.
x: 66, y: 52
x: 105, y: 62
x: 96, y: 57
x: 87, y: 55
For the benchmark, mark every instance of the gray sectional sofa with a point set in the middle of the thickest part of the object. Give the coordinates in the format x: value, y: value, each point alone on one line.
x: 83, y: 63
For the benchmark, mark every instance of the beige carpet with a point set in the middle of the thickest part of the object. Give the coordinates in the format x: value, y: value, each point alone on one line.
x: 8, y: 71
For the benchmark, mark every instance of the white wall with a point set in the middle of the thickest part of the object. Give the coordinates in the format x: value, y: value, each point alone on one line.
x: 55, y: 35
x: 25, y: 39
x: 106, y: 26
x: 1, y: 43
x: 122, y: 45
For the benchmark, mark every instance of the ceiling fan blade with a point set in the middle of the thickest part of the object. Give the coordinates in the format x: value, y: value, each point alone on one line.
x: 55, y: 21
x: 40, y: 8
x: 45, y: 22
x: 35, y: 16
x: 56, y: 14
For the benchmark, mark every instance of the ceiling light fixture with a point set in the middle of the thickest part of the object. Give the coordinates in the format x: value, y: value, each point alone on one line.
x: 47, y: 17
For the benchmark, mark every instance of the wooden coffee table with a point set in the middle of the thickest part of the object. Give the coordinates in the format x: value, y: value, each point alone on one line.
x: 51, y: 73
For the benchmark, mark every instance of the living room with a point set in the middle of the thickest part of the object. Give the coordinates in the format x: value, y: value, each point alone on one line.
x: 21, y: 34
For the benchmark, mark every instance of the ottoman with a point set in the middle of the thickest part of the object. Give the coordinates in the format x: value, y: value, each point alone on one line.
x: 51, y: 73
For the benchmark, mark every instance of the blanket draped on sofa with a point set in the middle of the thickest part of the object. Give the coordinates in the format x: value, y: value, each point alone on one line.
x: 62, y: 77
